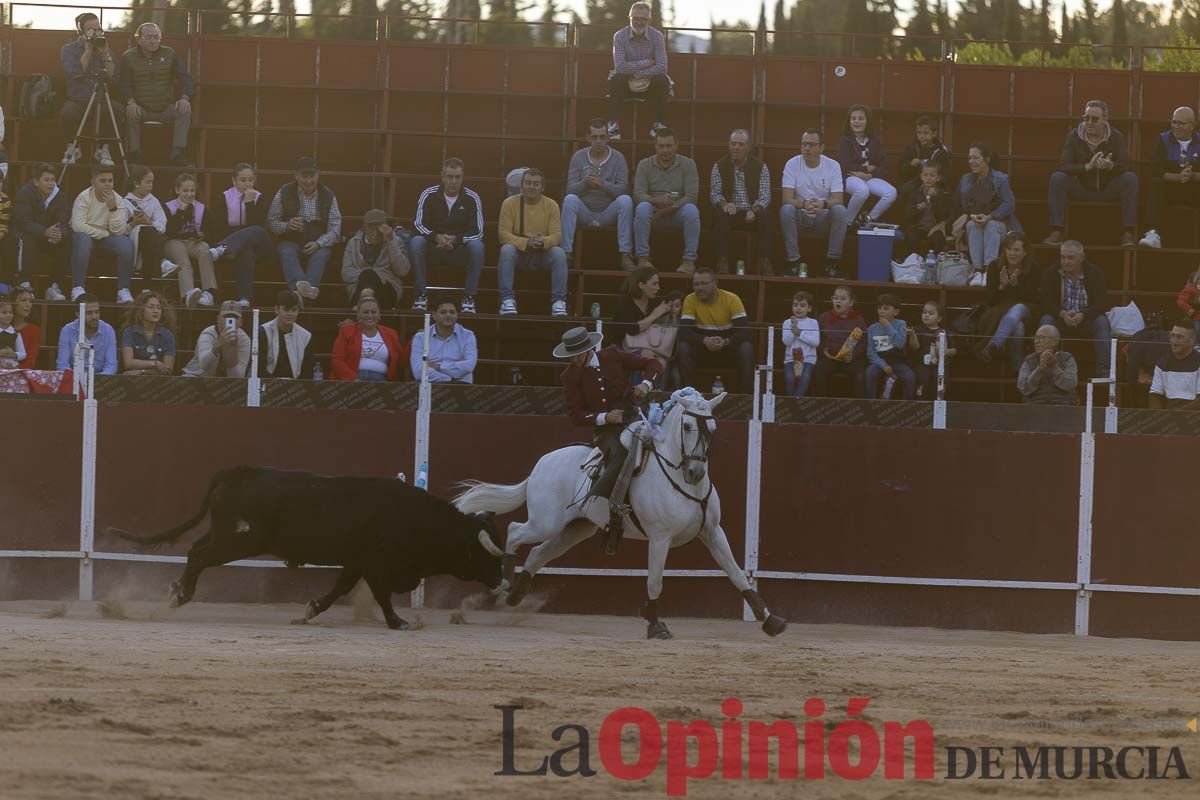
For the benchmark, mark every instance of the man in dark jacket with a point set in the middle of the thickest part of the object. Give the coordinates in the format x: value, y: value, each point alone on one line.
x: 449, y: 225
x: 149, y: 73
x: 41, y: 219
x: 1175, y: 176
x: 1074, y: 299
x: 597, y: 391
x: 1094, y: 167
x: 740, y: 191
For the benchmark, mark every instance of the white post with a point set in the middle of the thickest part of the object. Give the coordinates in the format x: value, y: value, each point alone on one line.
x: 421, y: 453
x: 939, y: 402
x: 77, y: 365
x: 600, y: 330
x: 1083, y: 565
x: 1110, y: 413
x: 254, y: 384
x: 87, y: 493
x: 768, y: 400
x: 753, y: 493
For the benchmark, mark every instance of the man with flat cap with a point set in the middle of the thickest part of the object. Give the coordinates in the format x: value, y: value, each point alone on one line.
x: 596, y: 386
x: 374, y: 261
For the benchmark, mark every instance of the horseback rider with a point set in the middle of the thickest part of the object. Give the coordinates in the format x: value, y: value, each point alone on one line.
x: 596, y: 385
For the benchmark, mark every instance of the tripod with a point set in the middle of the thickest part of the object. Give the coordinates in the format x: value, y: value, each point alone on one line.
x: 99, y: 101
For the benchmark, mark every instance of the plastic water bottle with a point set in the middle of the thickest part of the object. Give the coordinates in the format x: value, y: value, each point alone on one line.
x: 717, y: 386
x: 517, y: 378
x: 741, y: 267
x: 802, y: 272
x: 930, y: 267
x: 888, y: 386
x: 318, y: 373
x: 595, y: 311
x: 423, y: 476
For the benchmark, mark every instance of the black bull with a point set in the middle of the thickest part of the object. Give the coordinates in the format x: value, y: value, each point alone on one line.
x: 381, y: 530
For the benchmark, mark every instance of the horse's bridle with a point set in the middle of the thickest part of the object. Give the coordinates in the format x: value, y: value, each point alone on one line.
x: 663, y: 462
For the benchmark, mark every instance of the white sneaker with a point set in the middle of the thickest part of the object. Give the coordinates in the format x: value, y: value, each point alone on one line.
x: 27, y: 286
x: 307, y: 290
x: 191, y: 298
x: 978, y: 279
x: 169, y: 268
x: 54, y: 294
x: 206, y: 299
x: 1151, y: 239
x: 124, y: 298
x: 75, y: 292
x: 71, y: 155
x: 103, y: 156
x: 244, y: 303
x: 508, y: 306
x: 557, y: 309
x: 215, y: 253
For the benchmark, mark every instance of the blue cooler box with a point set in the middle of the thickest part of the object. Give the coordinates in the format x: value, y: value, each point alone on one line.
x: 875, y: 253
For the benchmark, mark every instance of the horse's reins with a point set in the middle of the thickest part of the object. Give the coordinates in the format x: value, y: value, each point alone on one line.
x: 684, y: 458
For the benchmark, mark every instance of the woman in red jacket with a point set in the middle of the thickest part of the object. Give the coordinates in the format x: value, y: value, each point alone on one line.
x: 30, y: 333
x: 366, y: 350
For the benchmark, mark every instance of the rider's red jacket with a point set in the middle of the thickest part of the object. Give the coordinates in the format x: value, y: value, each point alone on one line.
x: 603, y: 385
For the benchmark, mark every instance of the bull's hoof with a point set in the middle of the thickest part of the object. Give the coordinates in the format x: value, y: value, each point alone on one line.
x: 175, y: 596
x: 658, y: 630
x: 774, y: 625
x: 520, y: 588
x: 488, y: 601
x: 398, y: 624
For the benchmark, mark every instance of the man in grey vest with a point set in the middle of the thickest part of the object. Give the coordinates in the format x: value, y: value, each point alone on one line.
x: 149, y: 72
x: 740, y: 191
x: 307, y: 221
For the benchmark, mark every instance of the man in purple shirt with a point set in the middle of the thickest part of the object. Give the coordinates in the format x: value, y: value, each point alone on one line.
x: 639, y: 69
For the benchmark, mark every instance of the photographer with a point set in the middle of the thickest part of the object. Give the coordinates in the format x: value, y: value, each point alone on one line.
x: 86, y: 61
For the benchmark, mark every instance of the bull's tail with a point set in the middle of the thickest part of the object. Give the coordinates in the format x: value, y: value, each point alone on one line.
x: 495, y: 497
x: 149, y: 541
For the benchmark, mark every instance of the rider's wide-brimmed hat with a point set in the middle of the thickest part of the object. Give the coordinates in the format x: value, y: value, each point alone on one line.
x: 576, y: 341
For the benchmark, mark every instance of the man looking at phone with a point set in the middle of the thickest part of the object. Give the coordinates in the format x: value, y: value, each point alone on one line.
x: 223, y: 350
x: 598, y: 193
x: 374, y: 262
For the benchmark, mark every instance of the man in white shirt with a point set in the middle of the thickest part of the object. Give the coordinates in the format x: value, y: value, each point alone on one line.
x: 812, y: 203
x: 1176, y: 381
x: 100, y: 221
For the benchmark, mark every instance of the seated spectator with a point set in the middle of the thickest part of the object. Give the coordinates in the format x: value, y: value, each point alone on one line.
x: 42, y: 218
x: 887, y: 341
x: 452, y: 349
x: 1074, y: 299
x: 86, y: 61
x: 1048, y: 376
x: 984, y: 207
x: 642, y: 323
x: 12, y: 346
x: 147, y: 224
x: 1177, y: 375
x: 1014, y: 285
x: 665, y: 187
x: 99, y: 220
x: 530, y: 229
x: 926, y: 149
x: 928, y: 210
x: 222, y: 350
x: 284, y: 347
x: 8, y: 242
x: 239, y: 225
x: 843, y: 345
x: 714, y: 331
x: 374, y: 261
x: 149, y: 73
x: 924, y: 338
x: 1174, y: 181
x: 306, y: 218
x: 598, y: 193
x: 801, y: 338
x: 1188, y: 300
x: 449, y: 225
x: 366, y: 350
x: 147, y: 341
x: 1094, y: 166
x: 639, y: 69
x: 812, y: 204
x: 740, y: 192
x: 862, y: 156
x: 98, y: 333
x: 187, y: 221
x: 30, y: 332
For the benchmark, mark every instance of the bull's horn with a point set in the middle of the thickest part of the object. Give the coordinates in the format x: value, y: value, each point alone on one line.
x: 716, y: 401
x: 489, y: 545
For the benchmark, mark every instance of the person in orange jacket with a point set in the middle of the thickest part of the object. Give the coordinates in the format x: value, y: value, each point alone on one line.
x: 366, y: 350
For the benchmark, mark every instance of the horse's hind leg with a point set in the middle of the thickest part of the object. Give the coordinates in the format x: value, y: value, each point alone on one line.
x: 656, y: 563
x: 714, y: 539
x: 575, y: 532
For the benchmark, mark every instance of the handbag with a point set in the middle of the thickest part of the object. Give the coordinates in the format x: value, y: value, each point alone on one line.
x: 953, y: 269
x: 657, y: 342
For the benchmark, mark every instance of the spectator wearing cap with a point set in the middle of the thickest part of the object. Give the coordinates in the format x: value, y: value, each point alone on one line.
x: 449, y: 223
x: 374, y: 262
x: 98, y: 333
x: 306, y: 218
x: 284, y: 347
x: 452, y: 350
x: 367, y: 351
x: 159, y: 89
x: 222, y: 350
x: 530, y: 229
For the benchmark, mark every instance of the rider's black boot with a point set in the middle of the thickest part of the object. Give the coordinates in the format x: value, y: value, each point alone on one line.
x: 614, y: 532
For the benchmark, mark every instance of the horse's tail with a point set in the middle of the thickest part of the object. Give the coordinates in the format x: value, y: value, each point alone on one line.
x: 146, y: 541
x: 495, y: 497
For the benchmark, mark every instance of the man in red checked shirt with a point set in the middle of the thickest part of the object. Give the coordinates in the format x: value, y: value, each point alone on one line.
x: 596, y: 385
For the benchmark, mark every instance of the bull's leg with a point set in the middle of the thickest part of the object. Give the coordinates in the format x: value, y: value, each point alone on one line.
x: 655, y: 627
x: 346, y: 580
x: 381, y: 590
x: 215, y: 548
x: 575, y: 532
x: 716, y: 542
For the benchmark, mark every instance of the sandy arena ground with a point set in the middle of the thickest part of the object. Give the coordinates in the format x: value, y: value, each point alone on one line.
x: 225, y: 701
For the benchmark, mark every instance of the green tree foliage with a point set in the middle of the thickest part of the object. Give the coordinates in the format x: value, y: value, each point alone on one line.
x: 921, y: 27
x: 503, y: 24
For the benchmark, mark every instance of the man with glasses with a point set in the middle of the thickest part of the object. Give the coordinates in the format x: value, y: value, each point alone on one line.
x: 1048, y: 376
x: 1176, y: 177
x: 639, y: 68
x: 1074, y: 299
x: 598, y: 193
x: 149, y: 73
x: 1094, y: 167
x: 812, y: 203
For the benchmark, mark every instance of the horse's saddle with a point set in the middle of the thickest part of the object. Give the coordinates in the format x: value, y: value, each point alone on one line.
x: 636, y: 441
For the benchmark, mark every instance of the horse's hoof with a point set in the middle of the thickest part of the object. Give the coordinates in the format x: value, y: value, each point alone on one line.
x: 520, y: 589
x: 658, y: 630
x: 311, y: 610
x: 774, y: 625
x: 398, y: 625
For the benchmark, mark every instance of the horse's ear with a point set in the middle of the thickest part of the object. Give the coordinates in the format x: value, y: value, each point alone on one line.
x: 716, y: 401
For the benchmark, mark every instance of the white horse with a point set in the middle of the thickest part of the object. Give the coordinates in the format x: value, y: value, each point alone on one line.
x: 673, y: 501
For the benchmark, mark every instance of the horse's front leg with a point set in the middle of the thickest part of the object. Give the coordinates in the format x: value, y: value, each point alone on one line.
x: 655, y: 627
x: 714, y: 539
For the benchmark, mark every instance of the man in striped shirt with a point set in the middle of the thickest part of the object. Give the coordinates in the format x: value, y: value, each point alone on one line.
x: 1177, y: 374
x: 639, y: 67
x: 740, y: 191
